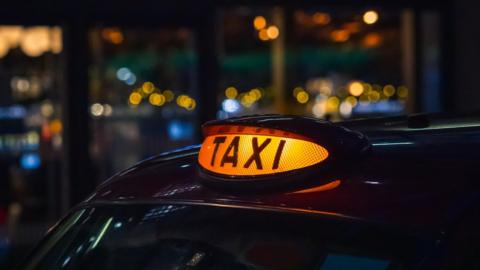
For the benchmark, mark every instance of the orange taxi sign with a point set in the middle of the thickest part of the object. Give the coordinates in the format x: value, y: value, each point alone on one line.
x: 250, y: 151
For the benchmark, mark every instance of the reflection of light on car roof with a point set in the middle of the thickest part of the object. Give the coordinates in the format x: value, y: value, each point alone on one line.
x: 391, y: 143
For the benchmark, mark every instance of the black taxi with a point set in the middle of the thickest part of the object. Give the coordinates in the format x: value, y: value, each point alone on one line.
x: 287, y: 192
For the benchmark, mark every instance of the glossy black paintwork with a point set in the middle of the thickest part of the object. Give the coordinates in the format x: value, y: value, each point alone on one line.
x: 420, y: 178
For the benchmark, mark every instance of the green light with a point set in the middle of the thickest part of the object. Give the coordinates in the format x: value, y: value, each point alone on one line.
x: 102, y: 233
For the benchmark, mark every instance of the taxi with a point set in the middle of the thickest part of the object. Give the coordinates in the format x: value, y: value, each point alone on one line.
x: 286, y: 192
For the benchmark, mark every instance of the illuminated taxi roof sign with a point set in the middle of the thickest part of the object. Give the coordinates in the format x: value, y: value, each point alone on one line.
x: 273, y: 146
x: 247, y: 151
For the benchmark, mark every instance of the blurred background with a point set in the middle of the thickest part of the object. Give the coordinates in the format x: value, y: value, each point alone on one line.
x: 88, y: 89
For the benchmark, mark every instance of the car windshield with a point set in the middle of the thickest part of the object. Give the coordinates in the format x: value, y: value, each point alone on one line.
x: 144, y: 237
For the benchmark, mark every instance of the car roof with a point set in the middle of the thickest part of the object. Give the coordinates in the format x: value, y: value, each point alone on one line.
x: 416, y: 177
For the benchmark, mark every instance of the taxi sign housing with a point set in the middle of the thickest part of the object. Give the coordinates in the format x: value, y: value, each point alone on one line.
x: 273, y: 149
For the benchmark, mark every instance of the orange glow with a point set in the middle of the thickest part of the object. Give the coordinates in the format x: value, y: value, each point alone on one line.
x: 114, y: 35
x: 250, y: 154
x: 259, y: 22
x: 372, y: 40
x: 340, y: 35
x: 56, y: 126
x: 328, y: 186
x: 263, y: 35
x: 321, y: 18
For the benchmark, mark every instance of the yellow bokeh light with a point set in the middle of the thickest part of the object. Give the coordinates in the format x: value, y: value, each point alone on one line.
x: 247, y: 100
x: 352, y: 100
x: 4, y: 47
x: 388, y: 90
x: 192, y: 104
x: 355, y: 88
x: 182, y: 100
x: 273, y: 32
x: 135, y: 98
x: 255, y: 93
x: 231, y: 92
x: 297, y: 90
x: 169, y: 95
x: 302, y: 97
x: 259, y: 22
x: 11, y: 35
x: 35, y: 41
x: 56, y: 42
x: 368, y: 87
x: 186, y: 102
x: 332, y: 103
x: 148, y: 87
x: 402, y: 92
x: 374, y: 96
x: 156, y: 99
x: 263, y: 35
x: 370, y: 17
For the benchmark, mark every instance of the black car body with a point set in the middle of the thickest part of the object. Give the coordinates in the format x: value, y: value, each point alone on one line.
x: 409, y: 201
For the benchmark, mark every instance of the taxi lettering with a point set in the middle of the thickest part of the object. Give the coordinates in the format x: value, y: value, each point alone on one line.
x: 230, y: 156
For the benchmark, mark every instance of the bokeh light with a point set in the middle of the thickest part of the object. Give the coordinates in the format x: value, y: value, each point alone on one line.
x: 156, y: 99
x: 340, y: 35
x: 388, y: 90
x: 169, y: 95
x: 355, y: 88
x: 35, y: 41
x: 321, y: 18
x: 231, y: 92
x: 259, y: 22
x: 402, y: 92
x: 135, y: 98
x: 263, y: 35
x: 302, y: 97
x: 370, y: 17
x: 372, y: 40
x: 148, y: 87
x: 96, y: 109
x: 273, y: 32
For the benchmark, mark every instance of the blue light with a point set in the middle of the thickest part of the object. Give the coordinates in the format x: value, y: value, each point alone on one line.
x: 339, y: 261
x: 231, y: 105
x: 13, y: 112
x: 384, y: 106
x: 179, y: 130
x: 30, y: 161
x: 123, y: 73
x: 131, y: 79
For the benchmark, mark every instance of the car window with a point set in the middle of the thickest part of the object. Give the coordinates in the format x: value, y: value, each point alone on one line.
x: 147, y: 237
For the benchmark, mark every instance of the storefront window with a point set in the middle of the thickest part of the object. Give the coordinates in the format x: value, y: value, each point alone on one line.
x: 30, y: 134
x: 143, y: 94
x: 333, y: 63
